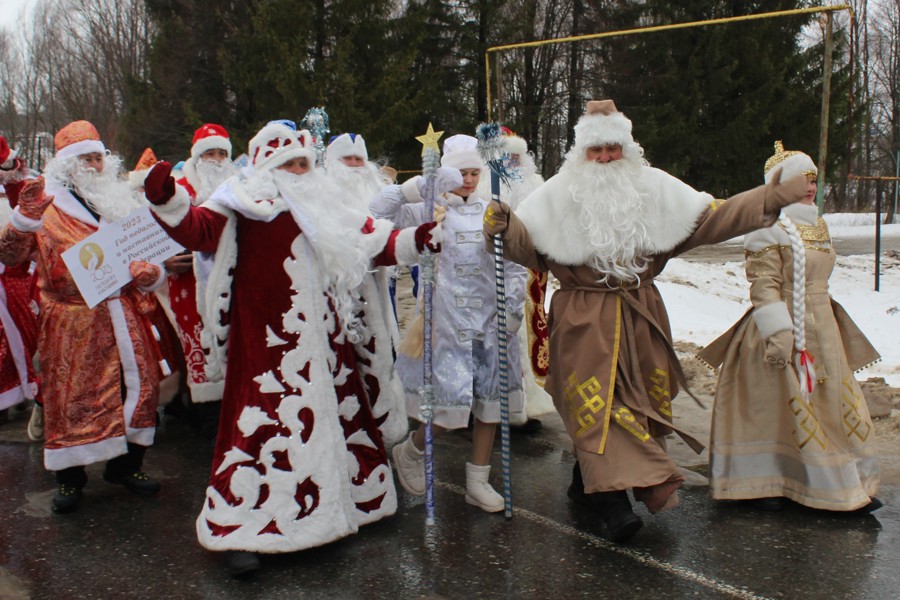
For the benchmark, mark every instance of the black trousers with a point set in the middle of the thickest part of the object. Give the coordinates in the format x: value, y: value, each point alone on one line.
x: 116, y: 468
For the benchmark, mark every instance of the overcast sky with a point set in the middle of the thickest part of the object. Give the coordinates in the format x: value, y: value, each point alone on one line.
x: 10, y: 11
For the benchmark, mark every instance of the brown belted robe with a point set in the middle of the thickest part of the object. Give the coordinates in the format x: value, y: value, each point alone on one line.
x: 613, y: 371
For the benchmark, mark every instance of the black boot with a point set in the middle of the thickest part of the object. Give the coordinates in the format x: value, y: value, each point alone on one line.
x: 66, y: 499
x: 577, y: 494
x: 138, y: 482
x: 241, y: 564
x: 621, y: 521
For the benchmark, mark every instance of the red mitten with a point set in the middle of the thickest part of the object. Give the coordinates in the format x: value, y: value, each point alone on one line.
x: 143, y: 273
x: 32, y: 199
x: 159, y: 186
x: 429, y: 234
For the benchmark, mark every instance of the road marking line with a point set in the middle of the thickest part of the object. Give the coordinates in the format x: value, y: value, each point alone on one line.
x: 640, y: 557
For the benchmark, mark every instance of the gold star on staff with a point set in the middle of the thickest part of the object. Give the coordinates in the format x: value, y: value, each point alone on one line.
x: 429, y: 139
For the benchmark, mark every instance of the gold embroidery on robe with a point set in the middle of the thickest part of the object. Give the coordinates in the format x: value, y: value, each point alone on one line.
x: 629, y: 423
x: 808, y: 424
x: 853, y: 421
x: 659, y: 391
x: 584, y: 401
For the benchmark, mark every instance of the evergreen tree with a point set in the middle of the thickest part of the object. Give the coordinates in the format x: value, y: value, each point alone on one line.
x: 708, y: 102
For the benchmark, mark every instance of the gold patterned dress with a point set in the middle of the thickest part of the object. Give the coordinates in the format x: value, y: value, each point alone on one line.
x: 766, y: 441
x: 99, y: 367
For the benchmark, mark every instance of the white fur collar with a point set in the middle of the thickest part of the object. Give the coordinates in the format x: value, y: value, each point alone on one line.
x: 552, y: 217
x: 68, y: 204
x: 234, y: 195
x: 189, y: 170
x: 799, y: 214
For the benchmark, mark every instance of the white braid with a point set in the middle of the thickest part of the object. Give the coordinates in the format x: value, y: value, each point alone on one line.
x: 799, y: 284
x: 798, y: 315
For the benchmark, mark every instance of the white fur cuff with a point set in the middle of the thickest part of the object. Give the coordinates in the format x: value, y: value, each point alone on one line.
x: 160, y: 279
x: 410, y: 190
x: 25, y: 224
x: 405, y: 247
x: 176, y: 209
x: 772, y: 318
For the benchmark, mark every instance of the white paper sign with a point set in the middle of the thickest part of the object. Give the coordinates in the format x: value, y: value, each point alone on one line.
x: 99, y: 262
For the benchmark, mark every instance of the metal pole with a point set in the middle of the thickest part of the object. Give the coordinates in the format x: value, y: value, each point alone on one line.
x: 897, y: 182
x: 826, y: 104
x: 879, y: 188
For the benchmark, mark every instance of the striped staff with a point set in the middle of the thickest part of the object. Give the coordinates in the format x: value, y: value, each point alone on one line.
x: 431, y: 161
x: 490, y: 147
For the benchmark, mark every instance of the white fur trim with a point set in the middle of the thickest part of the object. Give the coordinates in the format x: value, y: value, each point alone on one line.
x: 160, y: 280
x: 373, y: 243
x: 410, y: 190
x: 209, y: 143
x: 405, y: 247
x: 550, y: 215
x: 209, y: 391
x: 513, y: 144
x: 343, y: 145
x: 130, y: 373
x: 791, y: 167
x: 25, y: 224
x: 597, y: 130
x: 176, y: 209
x: 136, y: 178
x: 68, y: 204
x: 764, y: 238
x: 463, y: 159
x: 11, y: 397
x: 772, y: 318
x: 57, y: 459
x: 801, y: 214
x: 82, y: 147
x: 214, y: 294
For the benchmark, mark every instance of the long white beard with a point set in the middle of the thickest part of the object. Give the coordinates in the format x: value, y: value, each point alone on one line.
x: 613, y: 209
x: 359, y: 184
x: 210, y: 175
x: 105, y: 193
x: 339, y: 256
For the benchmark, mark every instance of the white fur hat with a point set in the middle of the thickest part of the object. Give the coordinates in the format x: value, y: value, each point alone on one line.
x: 276, y: 143
x: 347, y: 144
x: 602, y: 124
x: 792, y: 163
x: 513, y: 144
x: 461, y: 152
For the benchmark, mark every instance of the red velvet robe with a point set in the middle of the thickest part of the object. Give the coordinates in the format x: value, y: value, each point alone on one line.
x: 299, y: 459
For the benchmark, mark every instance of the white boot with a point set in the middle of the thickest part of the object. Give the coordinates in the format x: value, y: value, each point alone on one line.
x: 410, y: 464
x: 479, y: 492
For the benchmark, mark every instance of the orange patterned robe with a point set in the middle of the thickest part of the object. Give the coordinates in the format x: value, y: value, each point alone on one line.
x: 86, y: 355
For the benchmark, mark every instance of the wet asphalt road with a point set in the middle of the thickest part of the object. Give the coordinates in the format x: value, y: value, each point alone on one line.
x: 122, y: 546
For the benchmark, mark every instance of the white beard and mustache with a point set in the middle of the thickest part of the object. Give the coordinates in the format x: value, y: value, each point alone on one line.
x: 612, y: 209
x: 210, y: 174
x: 333, y: 231
x: 105, y: 193
x: 359, y: 184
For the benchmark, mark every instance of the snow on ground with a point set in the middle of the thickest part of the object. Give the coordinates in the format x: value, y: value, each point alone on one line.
x: 705, y: 299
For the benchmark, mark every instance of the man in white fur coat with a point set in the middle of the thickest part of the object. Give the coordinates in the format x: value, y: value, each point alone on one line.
x: 299, y: 460
x: 605, y: 226
x: 347, y: 165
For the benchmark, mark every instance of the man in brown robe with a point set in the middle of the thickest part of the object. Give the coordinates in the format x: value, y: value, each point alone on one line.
x: 605, y: 226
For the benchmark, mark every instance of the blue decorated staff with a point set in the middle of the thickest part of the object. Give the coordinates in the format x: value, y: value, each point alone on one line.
x: 431, y: 162
x: 490, y: 146
x: 316, y: 122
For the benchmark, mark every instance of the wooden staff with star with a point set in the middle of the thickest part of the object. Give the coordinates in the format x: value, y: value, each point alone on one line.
x: 431, y: 161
